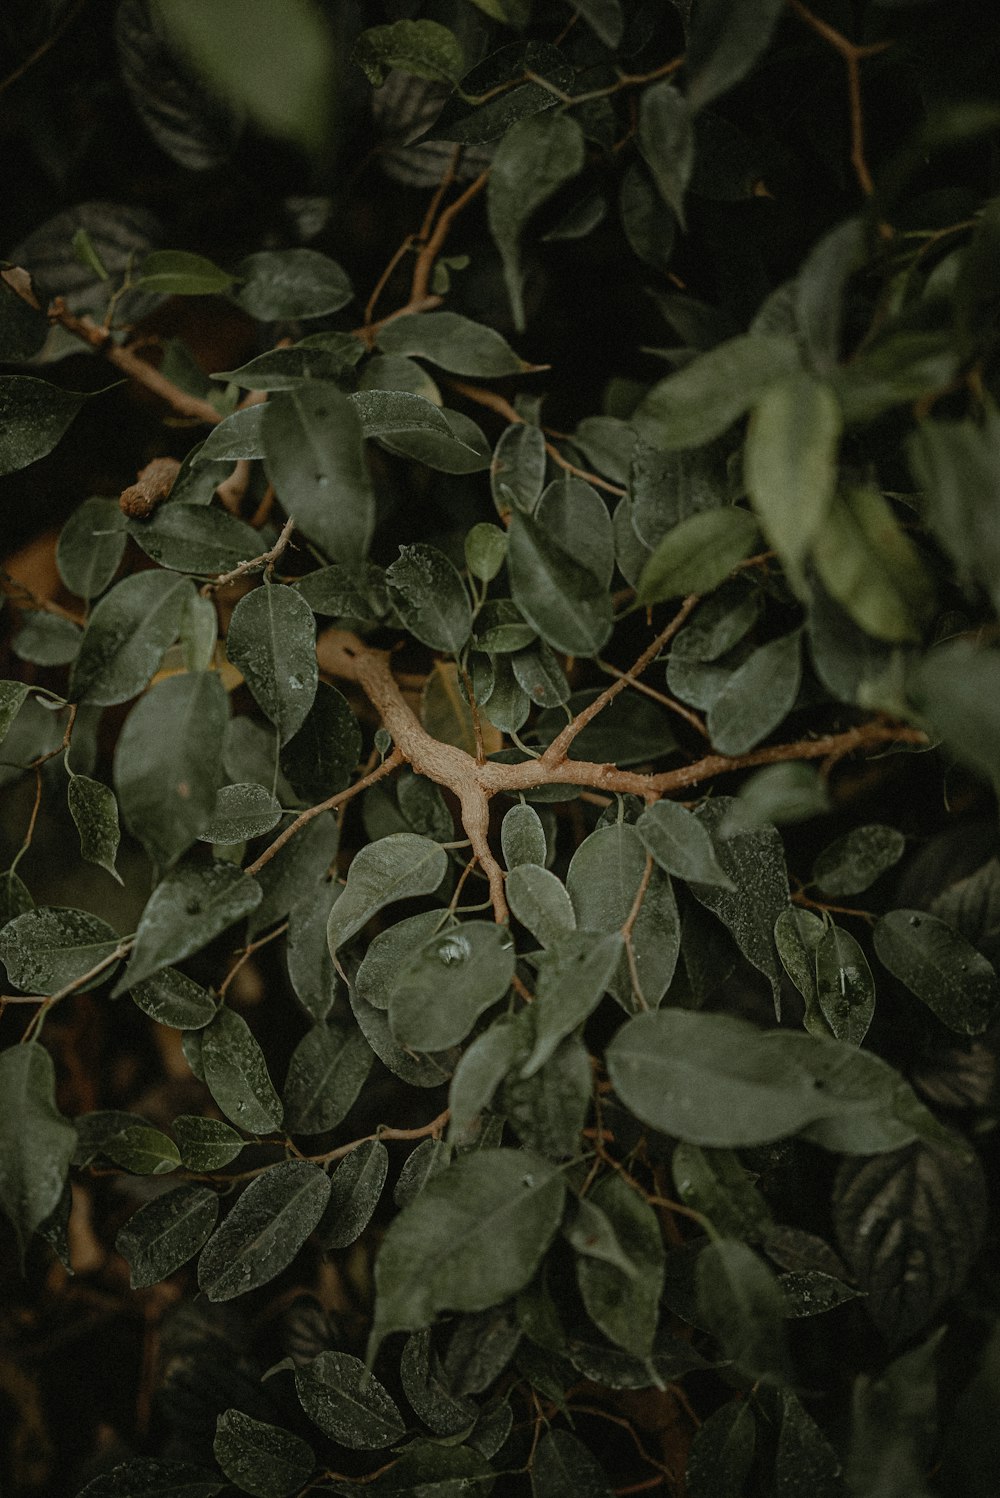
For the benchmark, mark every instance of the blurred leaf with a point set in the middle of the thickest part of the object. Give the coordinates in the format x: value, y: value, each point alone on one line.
x: 625, y: 1308
x: 697, y: 554
x: 666, y: 140
x: 894, y: 1428
x: 179, y: 273
x: 871, y: 567
x: 722, y: 1452
x: 453, y: 342
x: 854, y: 861
x: 424, y: 49
x: 701, y: 400
x: 740, y: 1302
x: 143, y: 1477
x: 279, y: 284
x: 36, y: 1142
x: 563, y: 1467
x: 727, y: 38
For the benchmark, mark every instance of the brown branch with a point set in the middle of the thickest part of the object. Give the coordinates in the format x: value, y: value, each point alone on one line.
x: 40, y: 51
x: 420, y: 284
x: 45, y: 605
x: 674, y: 706
x: 266, y: 561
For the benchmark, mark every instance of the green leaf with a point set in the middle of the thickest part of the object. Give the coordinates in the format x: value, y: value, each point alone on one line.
x: 541, y: 903
x: 167, y: 764
x: 272, y: 640
x: 166, y: 1232
x: 291, y: 284
x: 239, y: 436
x: 394, y: 868
x: 448, y: 982
x: 424, y: 49
x: 844, y: 985
x: 590, y: 1232
x: 195, y: 538
x: 757, y: 697
x: 391, y: 413
x: 680, y: 844
x: 714, y: 1183
x: 453, y: 342
x: 236, y: 1074
x: 697, y: 555
x: 780, y: 793
x: 36, y: 1142
x: 171, y: 998
x: 539, y: 674
x: 501, y: 629
x: 805, y: 1462
x: 562, y: 1466
x: 548, y: 1109
x: 517, y: 470
x: 259, y: 1458
x: 95, y: 812
x: 282, y: 77
x: 727, y: 38
x: 894, y: 1430
x: 126, y: 635
x: 424, y: 1385
x: 33, y: 417
x: 485, y: 550
x: 278, y: 369
x: 314, y: 457
x: 320, y: 758
x: 867, y: 562
x: 945, y: 971
x: 347, y: 1402
x: 141, y: 1149
x: 147, y: 1478
x: 603, y: 879
x: 474, y: 1236
x: 701, y: 400
x: 561, y: 598
x: 300, y: 865
x: 328, y: 1069
x: 854, y: 861
x: 46, y: 949
x: 354, y: 592
x: 534, y: 158
x: 464, y: 118
x: 187, y: 910
x: 179, y: 273
x: 463, y: 450
x: 241, y: 812
x: 956, y: 465
x: 573, y: 975
x: 649, y: 225
x: 522, y: 837
x: 797, y: 934
x: 754, y: 860
x: 47, y: 639
x: 666, y: 140
x: 430, y: 597
x: 355, y: 1189
x: 23, y: 329
x: 626, y: 1308
x: 421, y: 1165
x: 722, y: 1452
x: 12, y: 696
x: 265, y: 1229
x: 386, y: 372
x: 205, y: 1143
x: 740, y: 1303
x: 790, y: 464
x: 957, y: 686
x: 715, y: 1080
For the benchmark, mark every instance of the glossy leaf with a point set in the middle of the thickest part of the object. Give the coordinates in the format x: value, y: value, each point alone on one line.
x: 348, y: 1403
x: 697, y: 555
x: 845, y: 987
x: 36, y: 1142
x: 938, y: 965
x: 236, y: 1073
x: 272, y: 641
x: 33, y: 417
x: 264, y: 1230
x: 166, y: 1232
x: 49, y: 947
x: 126, y: 636
x: 259, y: 1458
x: 394, y: 868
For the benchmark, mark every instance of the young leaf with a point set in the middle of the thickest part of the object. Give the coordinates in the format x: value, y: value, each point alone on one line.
x: 534, y: 159
x: 394, y: 868
x: 265, y: 1229
x: 126, y: 636
x: 347, y: 1402
x: 167, y: 764
x: 473, y: 1236
x: 259, y: 1458
x: 355, y: 1188
x: 314, y: 457
x: 325, y: 1075
x: 680, y: 844
x: 430, y: 597
x: 49, y: 947
x: 945, y: 971
x: 272, y: 640
x: 697, y: 554
x: 453, y: 342
x: 33, y: 417
x: 757, y: 697
x: 522, y: 837
x: 186, y: 911
x: 854, y: 861
x: 626, y: 1308
x: 236, y: 1074
x: 289, y: 284
x: 447, y: 982
x: 95, y: 812
x: 701, y: 400
x: 485, y: 550
x: 36, y: 1142
x: 166, y: 1232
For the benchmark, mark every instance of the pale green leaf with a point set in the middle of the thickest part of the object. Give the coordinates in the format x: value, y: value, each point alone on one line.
x: 278, y: 284
x: 701, y: 400
x: 179, y: 273
x: 697, y: 555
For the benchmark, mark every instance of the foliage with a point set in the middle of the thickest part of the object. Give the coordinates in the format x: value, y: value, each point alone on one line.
x: 491, y: 972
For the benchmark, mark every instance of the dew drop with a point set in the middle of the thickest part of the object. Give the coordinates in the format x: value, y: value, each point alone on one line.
x: 914, y: 920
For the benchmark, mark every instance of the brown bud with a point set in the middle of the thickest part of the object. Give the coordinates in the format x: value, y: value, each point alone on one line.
x: 154, y: 483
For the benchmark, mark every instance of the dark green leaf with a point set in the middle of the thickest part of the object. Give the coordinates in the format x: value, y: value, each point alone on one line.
x: 394, y: 868
x: 265, y: 1229
x: 447, y: 982
x: 894, y: 1431
x: 259, y: 1458
x: 95, y: 812
x: 540, y: 902
x: 45, y: 949
x: 424, y: 49
x: 327, y: 1071
x: 12, y: 696
x: 23, y: 328
x: 573, y: 976
x: 300, y: 865
x: 239, y: 436
x: 937, y: 964
x: 726, y: 40
x: 564, y: 1468
x: 36, y: 1142
x: 757, y: 697
x: 680, y: 844
x: 517, y: 470
x: 320, y: 758
x: 348, y: 1403
x: 560, y: 597
x: 649, y: 225
x: 697, y: 555
x: 295, y: 283
x: 625, y: 1307
x: 464, y: 449
x: 424, y: 1387
x: 956, y: 465
x: 272, y: 640
x: 126, y: 636
x: 806, y: 1465
x: 195, y: 538
x: 33, y: 417
x: 844, y: 985
x: 473, y: 1236
x: 237, y: 1076
x: 910, y: 1225
x: 142, y: 1477
x: 205, y: 1143
x: 666, y: 140
x: 854, y: 862
x: 957, y: 686
x: 171, y: 998
x: 721, y: 1452
x: 167, y: 764
x: 355, y: 1189
x: 453, y: 342
x: 430, y: 597
x: 141, y: 1149
x: 392, y: 413
x: 535, y: 157
x: 714, y: 1183
x: 47, y: 639
x: 314, y: 457
x: 356, y: 592
x: 241, y: 812
x: 701, y: 400
x: 166, y: 1232
x: 740, y: 1303
x: 462, y: 119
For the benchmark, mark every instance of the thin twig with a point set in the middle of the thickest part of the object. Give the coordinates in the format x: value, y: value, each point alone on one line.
x: 44, y: 47
x: 266, y: 560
